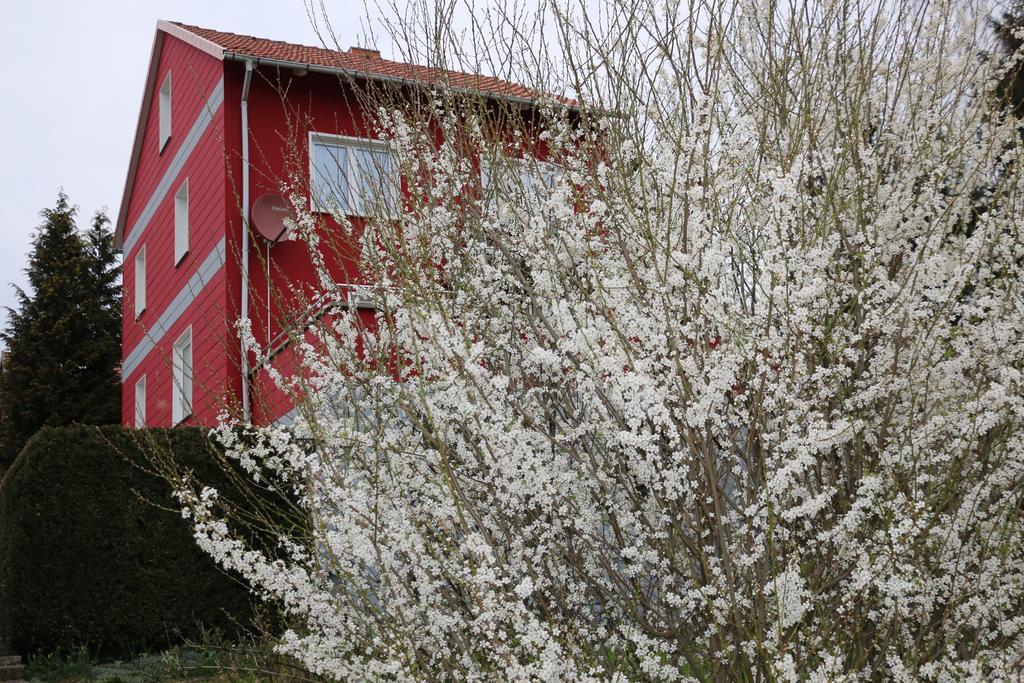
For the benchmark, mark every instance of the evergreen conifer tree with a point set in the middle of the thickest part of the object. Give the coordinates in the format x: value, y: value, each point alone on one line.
x: 1010, y: 34
x: 64, y: 337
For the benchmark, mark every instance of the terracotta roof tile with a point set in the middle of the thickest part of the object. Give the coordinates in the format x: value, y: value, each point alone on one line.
x: 362, y: 62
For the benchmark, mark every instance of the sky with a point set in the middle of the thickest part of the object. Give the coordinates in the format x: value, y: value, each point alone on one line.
x: 74, y: 75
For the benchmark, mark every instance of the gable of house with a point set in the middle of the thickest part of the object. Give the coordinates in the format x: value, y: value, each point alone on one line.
x: 193, y: 287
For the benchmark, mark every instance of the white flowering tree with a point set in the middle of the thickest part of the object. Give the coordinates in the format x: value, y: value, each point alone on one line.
x: 717, y: 377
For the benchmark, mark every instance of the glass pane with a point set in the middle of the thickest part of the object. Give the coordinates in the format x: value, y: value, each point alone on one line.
x: 375, y: 182
x: 140, y: 403
x: 330, y: 182
x: 364, y: 181
x: 485, y: 176
x: 388, y: 178
x: 186, y: 371
x: 550, y: 177
x: 176, y: 378
x: 368, y: 181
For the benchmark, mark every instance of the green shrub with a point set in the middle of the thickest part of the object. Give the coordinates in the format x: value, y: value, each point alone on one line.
x: 88, y: 557
x: 59, y: 666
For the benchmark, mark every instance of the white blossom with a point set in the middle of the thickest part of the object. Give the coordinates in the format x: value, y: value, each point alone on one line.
x: 737, y: 397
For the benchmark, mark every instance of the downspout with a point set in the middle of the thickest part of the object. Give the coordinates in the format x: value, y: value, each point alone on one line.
x: 246, y: 409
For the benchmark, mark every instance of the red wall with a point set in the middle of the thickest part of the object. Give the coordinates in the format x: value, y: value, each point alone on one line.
x: 194, y: 76
x: 279, y: 127
x: 279, y: 130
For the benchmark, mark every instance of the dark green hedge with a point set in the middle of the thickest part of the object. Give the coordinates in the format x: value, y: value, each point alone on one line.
x: 86, y: 558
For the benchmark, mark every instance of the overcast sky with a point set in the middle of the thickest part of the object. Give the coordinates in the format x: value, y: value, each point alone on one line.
x: 75, y: 72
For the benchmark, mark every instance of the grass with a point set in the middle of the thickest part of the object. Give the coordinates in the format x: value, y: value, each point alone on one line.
x: 218, y: 664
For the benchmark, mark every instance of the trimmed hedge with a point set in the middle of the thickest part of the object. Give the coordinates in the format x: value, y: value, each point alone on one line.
x: 87, y: 558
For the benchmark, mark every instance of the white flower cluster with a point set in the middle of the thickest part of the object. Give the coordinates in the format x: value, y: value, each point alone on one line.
x: 737, y: 394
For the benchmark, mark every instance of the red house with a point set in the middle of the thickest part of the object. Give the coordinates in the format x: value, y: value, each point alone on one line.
x: 220, y: 115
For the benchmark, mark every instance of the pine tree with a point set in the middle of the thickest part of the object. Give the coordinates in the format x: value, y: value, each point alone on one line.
x: 1009, y: 32
x: 102, y: 299
x: 64, y: 338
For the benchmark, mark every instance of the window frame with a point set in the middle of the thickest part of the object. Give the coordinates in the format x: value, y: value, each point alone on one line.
x: 140, y: 282
x: 351, y: 144
x: 140, y: 403
x: 165, y: 106
x: 182, y: 226
x: 182, y: 382
x: 524, y: 167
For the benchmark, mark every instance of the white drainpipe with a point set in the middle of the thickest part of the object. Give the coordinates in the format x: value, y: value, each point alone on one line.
x: 246, y: 409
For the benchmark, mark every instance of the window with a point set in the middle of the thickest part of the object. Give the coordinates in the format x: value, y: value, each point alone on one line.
x: 513, y: 181
x: 165, y: 112
x: 353, y: 176
x: 140, y: 281
x: 181, y: 398
x: 519, y: 186
x: 181, y: 223
x: 140, y: 402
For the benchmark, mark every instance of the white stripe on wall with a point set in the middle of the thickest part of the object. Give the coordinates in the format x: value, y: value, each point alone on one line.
x: 202, y: 122
x: 202, y: 277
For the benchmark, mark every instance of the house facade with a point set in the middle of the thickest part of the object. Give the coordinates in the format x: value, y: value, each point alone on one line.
x: 224, y: 119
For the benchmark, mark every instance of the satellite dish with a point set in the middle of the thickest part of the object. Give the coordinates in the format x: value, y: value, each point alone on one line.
x: 269, y: 213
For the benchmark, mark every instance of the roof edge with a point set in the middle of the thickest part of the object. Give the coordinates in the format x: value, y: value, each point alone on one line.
x: 208, y: 46
x: 162, y: 27
x: 218, y: 52
x: 382, y: 78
